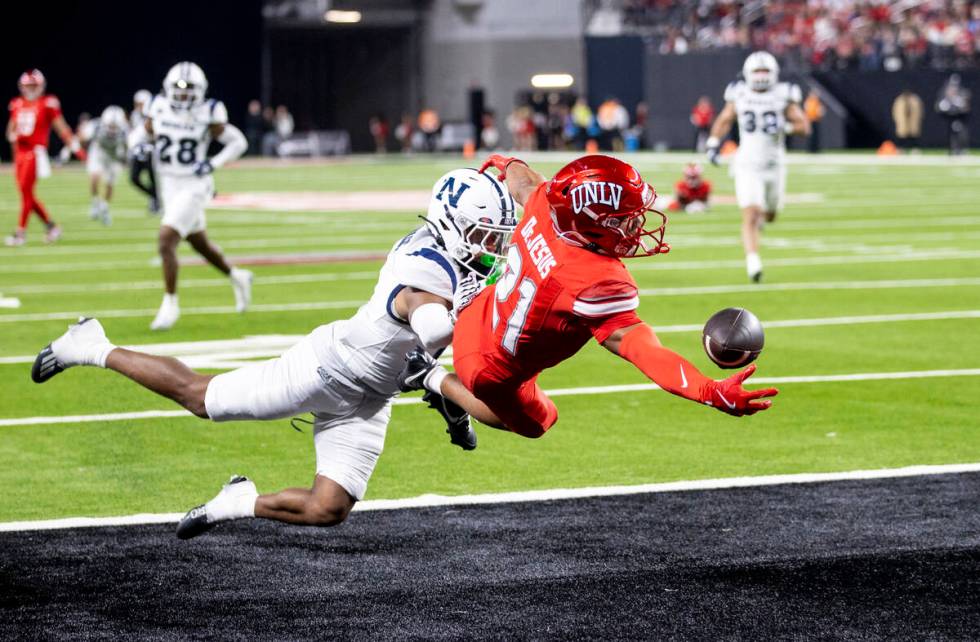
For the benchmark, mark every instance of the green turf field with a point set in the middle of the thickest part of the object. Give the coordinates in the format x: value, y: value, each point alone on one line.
x: 876, y: 242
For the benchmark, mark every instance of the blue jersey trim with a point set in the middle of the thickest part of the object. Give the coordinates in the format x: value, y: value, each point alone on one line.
x: 432, y: 255
x: 391, y: 300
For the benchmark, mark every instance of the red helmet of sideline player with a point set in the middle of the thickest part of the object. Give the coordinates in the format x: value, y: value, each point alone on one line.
x: 692, y: 174
x: 602, y: 204
x: 31, y: 84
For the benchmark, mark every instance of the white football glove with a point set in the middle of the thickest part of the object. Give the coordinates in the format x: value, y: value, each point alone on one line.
x: 466, y: 291
x: 713, y: 150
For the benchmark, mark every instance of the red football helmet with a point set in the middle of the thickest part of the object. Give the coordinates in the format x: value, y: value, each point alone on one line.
x: 601, y: 204
x: 692, y: 174
x: 31, y: 84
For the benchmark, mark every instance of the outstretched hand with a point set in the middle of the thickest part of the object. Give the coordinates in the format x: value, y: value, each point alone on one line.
x: 500, y: 163
x: 730, y: 397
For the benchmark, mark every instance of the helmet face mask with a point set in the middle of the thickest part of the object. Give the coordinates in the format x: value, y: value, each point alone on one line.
x: 472, y: 215
x: 185, y: 86
x: 31, y: 84
x: 602, y: 204
x: 113, y: 118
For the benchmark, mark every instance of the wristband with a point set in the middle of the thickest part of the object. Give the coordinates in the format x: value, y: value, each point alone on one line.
x: 712, y: 142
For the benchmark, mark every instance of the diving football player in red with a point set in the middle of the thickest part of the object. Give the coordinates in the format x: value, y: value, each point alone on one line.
x: 691, y: 194
x: 32, y: 115
x: 565, y: 283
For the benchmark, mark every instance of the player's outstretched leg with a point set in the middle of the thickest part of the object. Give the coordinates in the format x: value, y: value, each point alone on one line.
x: 418, y: 365
x: 326, y: 504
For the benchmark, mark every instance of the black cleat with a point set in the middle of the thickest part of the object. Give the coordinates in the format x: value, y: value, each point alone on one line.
x: 194, y: 523
x: 459, y: 428
x: 45, y: 365
x: 757, y: 277
x: 418, y: 364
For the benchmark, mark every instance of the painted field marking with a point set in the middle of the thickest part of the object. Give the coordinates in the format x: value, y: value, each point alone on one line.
x: 942, y: 254
x: 557, y: 392
x: 435, y: 501
x: 323, y: 277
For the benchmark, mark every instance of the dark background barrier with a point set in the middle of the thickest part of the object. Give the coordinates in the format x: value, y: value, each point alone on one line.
x: 868, y: 96
x: 858, y: 103
x: 97, y: 54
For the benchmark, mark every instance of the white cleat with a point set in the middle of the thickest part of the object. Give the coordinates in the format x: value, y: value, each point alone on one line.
x: 241, y: 284
x: 52, y: 234
x: 95, y: 211
x: 226, y: 506
x: 104, y: 214
x: 84, y: 344
x: 167, y: 315
x: 15, y: 240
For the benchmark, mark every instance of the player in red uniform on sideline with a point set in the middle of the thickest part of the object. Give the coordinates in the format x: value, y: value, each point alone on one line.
x: 32, y: 114
x: 692, y: 193
x: 565, y: 283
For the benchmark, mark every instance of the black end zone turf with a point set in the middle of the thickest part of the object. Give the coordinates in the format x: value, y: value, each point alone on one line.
x: 895, y: 559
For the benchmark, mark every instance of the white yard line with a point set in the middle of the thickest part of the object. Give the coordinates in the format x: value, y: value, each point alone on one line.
x: 557, y: 392
x: 323, y: 277
x: 433, y: 501
x: 665, y: 263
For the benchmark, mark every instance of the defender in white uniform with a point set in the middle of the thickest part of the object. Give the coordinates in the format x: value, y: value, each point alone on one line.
x: 345, y: 372
x: 182, y: 124
x: 105, y: 137
x: 767, y: 111
x: 142, y: 164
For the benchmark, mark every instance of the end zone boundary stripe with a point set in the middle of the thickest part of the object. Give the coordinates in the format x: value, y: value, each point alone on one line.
x: 435, y: 501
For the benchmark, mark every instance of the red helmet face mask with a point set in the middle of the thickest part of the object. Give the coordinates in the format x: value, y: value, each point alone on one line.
x: 603, y: 205
x: 31, y: 84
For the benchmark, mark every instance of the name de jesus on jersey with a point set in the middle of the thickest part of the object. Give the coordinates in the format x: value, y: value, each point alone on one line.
x: 761, y: 122
x: 182, y: 136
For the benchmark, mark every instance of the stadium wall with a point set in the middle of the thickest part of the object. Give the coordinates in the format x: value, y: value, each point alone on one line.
x: 497, y: 46
x: 868, y: 96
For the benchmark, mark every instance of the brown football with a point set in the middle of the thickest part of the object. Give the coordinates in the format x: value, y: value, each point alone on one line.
x: 733, y: 337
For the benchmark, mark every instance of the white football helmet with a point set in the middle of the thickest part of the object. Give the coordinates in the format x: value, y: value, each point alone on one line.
x: 185, y: 85
x: 142, y: 98
x: 113, y: 118
x: 761, y: 71
x: 473, y: 217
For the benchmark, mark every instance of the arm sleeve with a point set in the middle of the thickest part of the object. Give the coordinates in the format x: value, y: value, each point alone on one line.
x: 53, y: 106
x: 433, y: 325
x: 607, y: 306
x: 233, y: 145
x: 664, y: 367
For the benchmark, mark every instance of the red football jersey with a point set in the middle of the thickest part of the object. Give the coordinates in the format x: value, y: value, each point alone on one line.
x: 686, y: 194
x: 32, y: 120
x: 552, y: 297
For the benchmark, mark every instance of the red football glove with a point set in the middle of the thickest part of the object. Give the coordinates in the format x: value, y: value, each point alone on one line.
x: 730, y: 397
x: 500, y: 163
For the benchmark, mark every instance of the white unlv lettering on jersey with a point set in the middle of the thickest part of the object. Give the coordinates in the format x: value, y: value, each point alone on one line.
x: 591, y: 193
x: 538, y: 249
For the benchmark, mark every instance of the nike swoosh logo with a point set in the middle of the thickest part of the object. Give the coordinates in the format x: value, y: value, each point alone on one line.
x: 683, y: 377
x: 726, y: 401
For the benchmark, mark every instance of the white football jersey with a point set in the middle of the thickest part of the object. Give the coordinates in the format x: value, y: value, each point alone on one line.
x: 112, y: 144
x: 182, y: 136
x: 761, y: 122
x: 369, y: 351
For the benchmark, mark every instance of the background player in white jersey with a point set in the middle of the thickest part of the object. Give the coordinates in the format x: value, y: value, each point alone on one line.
x: 141, y: 164
x: 767, y: 111
x: 105, y: 137
x: 182, y: 124
x: 343, y: 372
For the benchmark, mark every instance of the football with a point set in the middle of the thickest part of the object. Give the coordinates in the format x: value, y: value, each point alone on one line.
x: 733, y: 337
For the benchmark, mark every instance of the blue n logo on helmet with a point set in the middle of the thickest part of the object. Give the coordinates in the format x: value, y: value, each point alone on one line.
x: 449, y: 186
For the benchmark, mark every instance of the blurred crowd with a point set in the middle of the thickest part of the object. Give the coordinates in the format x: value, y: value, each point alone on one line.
x: 818, y: 34
x: 266, y: 127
